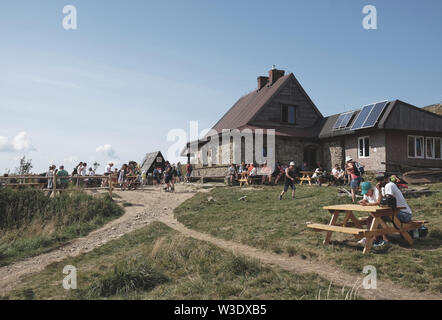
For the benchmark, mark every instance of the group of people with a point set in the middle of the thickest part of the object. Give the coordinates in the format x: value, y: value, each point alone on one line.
x: 372, y: 196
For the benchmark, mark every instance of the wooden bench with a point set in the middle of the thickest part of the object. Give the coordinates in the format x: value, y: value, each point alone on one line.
x: 326, y: 227
x: 378, y: 227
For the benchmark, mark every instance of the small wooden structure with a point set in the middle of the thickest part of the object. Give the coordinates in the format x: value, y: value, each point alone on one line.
x: 243, y: 179
x: 306, y: 176
x: 354, y: 226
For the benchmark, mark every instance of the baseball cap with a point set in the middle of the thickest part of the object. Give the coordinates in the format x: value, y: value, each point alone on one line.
x: 292, y: 163
x: 348, y: 158
x: 365, y: 186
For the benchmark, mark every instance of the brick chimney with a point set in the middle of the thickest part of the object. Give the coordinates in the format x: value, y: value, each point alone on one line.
x: 262, y: 81
x: 274, y: 75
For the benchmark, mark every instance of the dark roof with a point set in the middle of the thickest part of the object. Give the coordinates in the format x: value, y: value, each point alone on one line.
x: 247, y: 106
x: 397, y: 115
x: 242, y: 112
x: 149, y: 160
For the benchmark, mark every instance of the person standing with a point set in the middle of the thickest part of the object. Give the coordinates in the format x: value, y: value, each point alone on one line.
x: 355, y: 176
x: 189, y: 170
x: 50, y: 174
x: 289, y: 180
x: 63, y: 174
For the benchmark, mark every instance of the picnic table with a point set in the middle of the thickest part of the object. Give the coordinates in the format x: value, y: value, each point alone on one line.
x: 243, y: 179
x: 306, y: 176
x: 354, y: 226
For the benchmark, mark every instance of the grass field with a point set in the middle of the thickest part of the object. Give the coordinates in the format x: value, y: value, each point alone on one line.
x: 156, y: 262
x: 31, y: 223
x: 280, y: 226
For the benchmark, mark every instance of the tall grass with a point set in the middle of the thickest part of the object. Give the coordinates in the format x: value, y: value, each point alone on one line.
x: 32, y: 223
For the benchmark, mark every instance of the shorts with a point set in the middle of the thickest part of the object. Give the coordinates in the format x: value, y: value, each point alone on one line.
x: 167, y: 179
x: 404, y: 216
x: 289, y: 183
x: 354, y: 184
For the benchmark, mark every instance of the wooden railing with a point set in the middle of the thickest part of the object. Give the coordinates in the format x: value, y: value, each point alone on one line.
x: 30, y: 181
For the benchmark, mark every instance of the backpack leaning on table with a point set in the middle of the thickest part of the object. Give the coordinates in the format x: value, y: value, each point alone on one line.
x: 389, y: 201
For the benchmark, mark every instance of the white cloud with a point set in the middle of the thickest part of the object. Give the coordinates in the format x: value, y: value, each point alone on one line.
x: 20, y: 143
x: 107, y: 150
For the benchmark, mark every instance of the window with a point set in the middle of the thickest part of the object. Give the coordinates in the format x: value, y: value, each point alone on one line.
x: 415, y: 147
x: 288, y: 114
x: 433, y: 147
x: 364, y: 147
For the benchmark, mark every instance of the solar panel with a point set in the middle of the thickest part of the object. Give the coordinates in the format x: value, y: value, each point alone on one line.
x: 374, y: 114
x: 346, y: 120
x: 338, y: 122
x: 362, y: 116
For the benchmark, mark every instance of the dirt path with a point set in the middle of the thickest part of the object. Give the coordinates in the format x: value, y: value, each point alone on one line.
x: 152, y: 205
x: 147, y: 206
x: 385, y: 289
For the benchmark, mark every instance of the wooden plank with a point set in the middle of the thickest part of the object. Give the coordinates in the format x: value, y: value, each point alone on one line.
x: 357, y: 207
x: 327, y: 227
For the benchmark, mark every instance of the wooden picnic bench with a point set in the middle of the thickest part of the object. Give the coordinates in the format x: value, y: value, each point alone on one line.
x: 354, y: 226
x: 306, y: 176
x: 243, y: 179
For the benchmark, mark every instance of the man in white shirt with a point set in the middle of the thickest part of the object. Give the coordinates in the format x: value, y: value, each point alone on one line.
x: 404, y: 215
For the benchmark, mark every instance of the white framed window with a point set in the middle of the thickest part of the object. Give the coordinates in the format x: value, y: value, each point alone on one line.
x: 416, y: 147
x: 364, y: 147
x: 433, y: 146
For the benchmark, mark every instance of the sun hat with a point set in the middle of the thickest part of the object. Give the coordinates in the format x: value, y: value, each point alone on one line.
x: 292, y: 163
x: 348, y: 158
x: 365, y: 186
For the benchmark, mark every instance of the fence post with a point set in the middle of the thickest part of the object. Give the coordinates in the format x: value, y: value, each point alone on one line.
x: 54, y: 184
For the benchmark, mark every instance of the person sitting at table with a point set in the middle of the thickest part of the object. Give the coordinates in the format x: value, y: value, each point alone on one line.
x: 266, y: 173
x: 278, y: 173
x: 337, y: 175
x: 232, y: 174
x: 252, y: 171
x: 371, y: 195
x: 318, y: 174
x: 305, y: 166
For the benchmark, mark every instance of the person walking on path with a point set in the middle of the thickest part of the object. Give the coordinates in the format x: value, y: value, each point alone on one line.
x: 289, y: 180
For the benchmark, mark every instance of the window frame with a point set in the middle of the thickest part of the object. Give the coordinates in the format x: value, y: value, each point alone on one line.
x: 364, y: 156
x: 433, y: 153
x: 415, y: 149
x: 285, y: 114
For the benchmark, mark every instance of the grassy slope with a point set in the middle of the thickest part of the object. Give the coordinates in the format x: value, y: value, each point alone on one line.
x: 156, y: 262
x: 265, y: 222
x: 31, y: 223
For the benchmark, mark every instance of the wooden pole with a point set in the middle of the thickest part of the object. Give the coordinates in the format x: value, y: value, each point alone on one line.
x: 54, y: 185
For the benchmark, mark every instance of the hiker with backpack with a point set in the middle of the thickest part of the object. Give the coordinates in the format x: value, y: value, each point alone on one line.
x: 353, y: 169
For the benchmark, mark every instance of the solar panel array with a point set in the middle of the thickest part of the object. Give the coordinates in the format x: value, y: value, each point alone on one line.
x: 366, y: 118
x: 343, y: 120
x: 369, y: 115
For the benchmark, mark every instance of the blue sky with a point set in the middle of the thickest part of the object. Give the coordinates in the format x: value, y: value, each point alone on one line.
x: 134, y: 70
